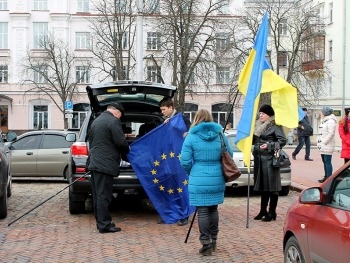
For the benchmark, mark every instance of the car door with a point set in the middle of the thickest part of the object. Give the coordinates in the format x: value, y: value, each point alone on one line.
x: 53, y: 155
x: 24, y: 153
x: 329, y: 225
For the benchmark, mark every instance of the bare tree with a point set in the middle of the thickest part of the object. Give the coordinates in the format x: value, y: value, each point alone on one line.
x: 291, y: 26
x: 51, y: 71
x: 189, y: 31
x: 113, y: 35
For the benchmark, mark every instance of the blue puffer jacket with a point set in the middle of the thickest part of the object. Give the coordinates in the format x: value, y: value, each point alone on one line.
x: 201, y: 159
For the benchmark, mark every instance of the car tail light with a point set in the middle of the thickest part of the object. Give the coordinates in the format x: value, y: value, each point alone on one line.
x: 79, y: 149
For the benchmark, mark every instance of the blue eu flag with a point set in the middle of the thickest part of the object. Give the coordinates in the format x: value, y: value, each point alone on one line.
x: 155, y: 160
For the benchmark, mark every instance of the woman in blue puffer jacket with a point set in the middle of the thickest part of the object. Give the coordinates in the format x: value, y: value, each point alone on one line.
x: 201, y: 159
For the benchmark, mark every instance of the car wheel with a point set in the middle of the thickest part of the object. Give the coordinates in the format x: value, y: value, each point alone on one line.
x: 9, y: 189
x: 292, y: 252
x: 284, y: 191
x: 76, y: 203
x: 66, y: 174
x: 3, y: 204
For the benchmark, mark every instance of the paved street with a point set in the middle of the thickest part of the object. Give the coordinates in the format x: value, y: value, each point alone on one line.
x: 51, y: 234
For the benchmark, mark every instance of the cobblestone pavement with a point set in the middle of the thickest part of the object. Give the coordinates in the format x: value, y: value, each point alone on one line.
x: 50, y: 234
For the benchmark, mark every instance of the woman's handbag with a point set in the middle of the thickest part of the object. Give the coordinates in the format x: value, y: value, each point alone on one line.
x: 229, y: 168
x: 279, y: 159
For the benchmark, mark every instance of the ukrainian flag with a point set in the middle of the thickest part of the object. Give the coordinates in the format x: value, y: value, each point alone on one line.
x: 257, y: 77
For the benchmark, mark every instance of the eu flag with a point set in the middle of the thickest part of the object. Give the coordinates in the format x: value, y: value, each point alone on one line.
x: 155, y: 160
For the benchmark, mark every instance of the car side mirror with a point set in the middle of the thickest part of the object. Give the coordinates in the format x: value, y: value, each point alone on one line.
x: 312, y: 195
x: 71, y: 137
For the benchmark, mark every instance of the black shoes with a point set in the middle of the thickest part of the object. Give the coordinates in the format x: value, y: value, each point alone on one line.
x: 322, y: 180
x: 182, y: 222
x: 160, y: 221
x: 112, y: 229
x: 269, y: 216
x: 260, y: 215
x: 294, y: 157
x: 206, y: 250
x: 308, y: 159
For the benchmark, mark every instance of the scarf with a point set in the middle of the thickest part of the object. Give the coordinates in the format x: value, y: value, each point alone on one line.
x: 262, y: 127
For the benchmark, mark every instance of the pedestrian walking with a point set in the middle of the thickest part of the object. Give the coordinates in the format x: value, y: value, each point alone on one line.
x: 168, y: 110
x: 106, y: 144
x: 326, y: 140
x: 344, y: 133
x: 304, y: 132
x: 201, y: 159
x: 268, y: 137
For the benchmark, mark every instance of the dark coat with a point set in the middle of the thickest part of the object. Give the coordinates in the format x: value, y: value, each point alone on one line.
x: 304, y: 128
x: 266, y: 177
x: 106, y: 143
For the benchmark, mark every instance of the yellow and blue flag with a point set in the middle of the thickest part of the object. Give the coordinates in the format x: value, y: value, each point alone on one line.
x: 155, y: 158
x: 257, y: 77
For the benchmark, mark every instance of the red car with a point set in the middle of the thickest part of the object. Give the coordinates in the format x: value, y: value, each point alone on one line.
x: 317, y: 225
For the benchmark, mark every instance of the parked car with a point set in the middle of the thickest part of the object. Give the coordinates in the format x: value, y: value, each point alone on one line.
x: 242, y: 181
x: 317, y: 225
x: 141, y: 103
x: 5, y: 176
x: 42, y: 153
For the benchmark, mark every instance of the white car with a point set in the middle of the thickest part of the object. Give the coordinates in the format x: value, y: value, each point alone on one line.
x: 243, y: 179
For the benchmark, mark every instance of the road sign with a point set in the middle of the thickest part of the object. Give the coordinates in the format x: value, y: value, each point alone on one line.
x: 68, y: 105
x: 69, y: 115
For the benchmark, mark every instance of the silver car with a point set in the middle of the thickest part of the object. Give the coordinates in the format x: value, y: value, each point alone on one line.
x: 43, y: 153
x: 243, y: 179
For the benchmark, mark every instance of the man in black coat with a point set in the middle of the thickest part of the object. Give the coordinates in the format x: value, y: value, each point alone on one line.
x: 304, y: 132
x: 106, y: 144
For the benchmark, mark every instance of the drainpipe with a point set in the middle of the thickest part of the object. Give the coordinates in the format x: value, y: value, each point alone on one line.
x: 344, y: 54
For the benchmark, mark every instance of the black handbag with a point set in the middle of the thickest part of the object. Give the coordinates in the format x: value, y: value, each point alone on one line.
x: 279, y: 159
x: 229, y: 167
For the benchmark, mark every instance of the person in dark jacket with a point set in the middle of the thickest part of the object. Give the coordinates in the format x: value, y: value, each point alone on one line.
x: 267, y: 138
x: 201, y: 159
x: 106, y: 144
x: 304, y: 132
x: 166, y: 105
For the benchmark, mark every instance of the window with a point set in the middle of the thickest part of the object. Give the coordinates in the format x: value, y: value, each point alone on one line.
x: 82, y: 74
x: 4, y: 72
x: 54, y: 141
x: 222, y: 41
x: 78, y: 119
x: 224, y: 8
x: 27, y: 143
x: 341, y: 191
x: 82, y: 40
x: 282, y: 27
x: 153, y: 6
x: 219, y: 112
x: 330, y: 50
x: 115, y: 75
x: 40, y: 34
x: 40, y: 117
x: 153, y: 40
x: 222, y: 75
x: 121, y: 6
x: 313, y: 53
x: 40, y: 4
x: 123, y: 39
x: 83, y: 5
x: 40, y: 74
x: 3, y: 4
x: 282, y: 58
x: 190, y: 110
x: 154, y: 74
x: 3, y: 35
x: 330, y: 12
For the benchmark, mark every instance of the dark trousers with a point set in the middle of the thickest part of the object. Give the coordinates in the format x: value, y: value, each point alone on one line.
x: 327, y: 164
x: 208, y: 222
x: 102, y: 190
x: 301, y: 141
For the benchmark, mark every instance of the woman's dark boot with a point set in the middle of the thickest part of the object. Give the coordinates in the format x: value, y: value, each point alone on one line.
x: 263, y: 206
x: 213, y: 245
x: 206, y: 250
x: 271, y: 215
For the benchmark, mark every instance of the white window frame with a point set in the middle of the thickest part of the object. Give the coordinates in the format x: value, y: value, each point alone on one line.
x: 38, y: 77
x: 153, y: 41
x: 330, y: 13
x: 42, y: 113
x: 83, y: 6
x: 3, y: 5
x: 330, y: 50
x: 40, y: 33
x: 283, y: 27
x: 224, y: 9
x: 82, y: 74
x: 222, y: 41
x: 82, y: 40
x: 282, y: 58
x: 154, y: 73
x: 40, y: 5
x: 3, y: 35
x: 222, y: 75
x: 4, y: 73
